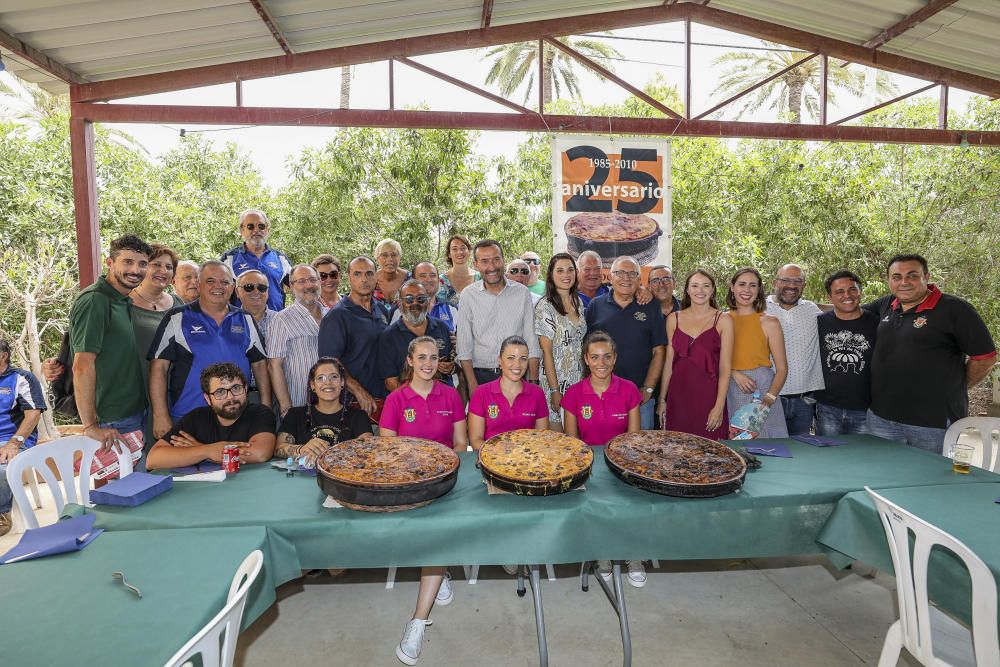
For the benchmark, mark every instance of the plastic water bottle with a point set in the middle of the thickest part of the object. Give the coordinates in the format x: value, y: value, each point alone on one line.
x: 746, y: 423
x: 290, y: 467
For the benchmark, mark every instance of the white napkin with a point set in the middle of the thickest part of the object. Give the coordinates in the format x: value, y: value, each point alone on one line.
x: 214, y: 476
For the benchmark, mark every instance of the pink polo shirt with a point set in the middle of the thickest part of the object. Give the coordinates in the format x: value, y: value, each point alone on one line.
x: 489, y: 403
x: 600, y: 418
x: 433, y: 418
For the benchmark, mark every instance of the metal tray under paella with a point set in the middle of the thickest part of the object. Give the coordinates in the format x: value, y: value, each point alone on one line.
x: 549, y: 486
x: 435, y: 484
x: 723, y: 484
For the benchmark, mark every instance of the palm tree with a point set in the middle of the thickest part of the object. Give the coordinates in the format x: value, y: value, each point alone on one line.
x: 798, y: 87
x: 515, y: 65
x: 27, y: 104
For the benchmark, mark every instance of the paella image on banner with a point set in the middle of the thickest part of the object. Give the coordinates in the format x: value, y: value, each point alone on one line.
x: 612, y: 196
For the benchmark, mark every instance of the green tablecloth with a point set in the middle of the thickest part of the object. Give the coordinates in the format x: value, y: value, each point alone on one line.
x: 966, y: 511
x: 67, y: 609
x: 780, y: 511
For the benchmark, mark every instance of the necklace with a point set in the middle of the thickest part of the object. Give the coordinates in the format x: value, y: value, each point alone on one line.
x: 135, y: 290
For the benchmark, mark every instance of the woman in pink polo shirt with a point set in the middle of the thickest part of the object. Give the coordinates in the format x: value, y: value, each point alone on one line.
x: 601, y: 405
x: 508, y: 403
x: 422, y: 407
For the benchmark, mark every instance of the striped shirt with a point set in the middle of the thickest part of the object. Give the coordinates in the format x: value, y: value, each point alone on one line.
x: 293, y: 335
x: 486, y: 319
x: 801, y: 331
x: 19, y: 392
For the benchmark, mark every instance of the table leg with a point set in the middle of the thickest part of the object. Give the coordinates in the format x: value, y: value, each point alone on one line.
x: 536, y: 594
x: 616, y: 597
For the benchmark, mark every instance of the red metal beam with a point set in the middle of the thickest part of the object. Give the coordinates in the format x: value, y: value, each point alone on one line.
x: 272, y: 25
x: 81, y: 137
x: 762, y: 82
x: 836, y: 48
x: 372, y: 52
x: 900, y: 98
x: 39, y: 59
x: 464, y: 86
x: 607, y: 74
x: 919, y: 16
x: 151, y: 113
x: 484, y: 23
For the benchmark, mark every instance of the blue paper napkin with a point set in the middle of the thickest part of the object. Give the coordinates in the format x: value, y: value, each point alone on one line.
x: 819, y: 440
x: 132, y: 490
x: 204, y: 466
x: 997, y: 500
x: 63, y: 536
x: 770, y: 450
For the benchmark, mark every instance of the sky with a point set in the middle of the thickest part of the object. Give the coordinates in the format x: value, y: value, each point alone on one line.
x: 645, y: 51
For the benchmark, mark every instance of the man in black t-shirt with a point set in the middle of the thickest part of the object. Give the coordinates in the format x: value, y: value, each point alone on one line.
x: 931, y: 348
x: 846, y: 344
x: 201, y: 434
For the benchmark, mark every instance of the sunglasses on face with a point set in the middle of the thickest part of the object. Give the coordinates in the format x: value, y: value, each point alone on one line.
x: 326, y: 275
x: 410, y: 299
x: 250, y: 287
x: 536, y: 262
x: 253, y: 227
x: 222, y: 392
x: 523, y: 272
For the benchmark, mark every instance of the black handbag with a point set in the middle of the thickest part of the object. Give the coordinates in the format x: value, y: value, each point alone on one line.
x: 60, y: 392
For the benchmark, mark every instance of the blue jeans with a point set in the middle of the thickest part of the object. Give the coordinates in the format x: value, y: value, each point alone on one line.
x: 921, y: 437
x: 6, y: 496
x: 831, y: 420
x: 798, y: 415
x: 647, y: 415
x: 136, y: 422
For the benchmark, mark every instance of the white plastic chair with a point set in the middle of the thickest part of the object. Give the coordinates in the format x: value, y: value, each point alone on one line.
x: 986, y: 426
x: 226, y: 624
x: 67, y: 489
x: 913, y: 628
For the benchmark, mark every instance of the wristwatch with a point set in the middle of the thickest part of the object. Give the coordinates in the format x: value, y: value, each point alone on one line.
x: 648, y: 391
x: 19, y: 438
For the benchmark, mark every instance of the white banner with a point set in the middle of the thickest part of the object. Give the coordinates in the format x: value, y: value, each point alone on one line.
x: 612, y: 197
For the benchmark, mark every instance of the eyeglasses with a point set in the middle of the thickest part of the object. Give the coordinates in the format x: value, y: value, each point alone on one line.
x: 523, y: 272
x: 260, y: 225
x: 307, y: 281
x: 234, y: 390
x: 625, y: 274
x: 327, y: 377
x: 531, y: 260
x: 792, y: 281
x: 409, y: 299
x: 660, y: 281
x: 326, y: 275
x: 250, y: 287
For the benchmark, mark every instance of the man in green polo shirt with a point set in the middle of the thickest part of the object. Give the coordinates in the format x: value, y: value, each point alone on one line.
x: 107, y: 379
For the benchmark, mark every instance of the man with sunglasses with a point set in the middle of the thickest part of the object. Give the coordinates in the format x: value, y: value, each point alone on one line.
x: 228, y: 419
x: 414, y: 321
x: 255, y: 254
x: 535, y: 284
x: 519, y: 271
x: 328, y: 268
x: 196, y: 335
x: 252, y: 290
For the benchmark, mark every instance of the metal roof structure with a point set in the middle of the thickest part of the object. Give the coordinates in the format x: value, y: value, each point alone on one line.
x: 59, y: 42
x: 106, y: 50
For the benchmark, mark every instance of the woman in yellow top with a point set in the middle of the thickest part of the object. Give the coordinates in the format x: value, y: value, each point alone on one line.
x: 759, y: 364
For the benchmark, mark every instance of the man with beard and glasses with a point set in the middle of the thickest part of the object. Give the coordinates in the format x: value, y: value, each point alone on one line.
x: 107, y: 376
x: 799, y: 326
x: 350, y: 331
x: 254, y: 253
x: 293, y: 339
x: 227, y: 420
x: 426, y: 273
x: 186, y: 280
x: 414, y: 321
x: 194, y: 336
x: 489, y: 311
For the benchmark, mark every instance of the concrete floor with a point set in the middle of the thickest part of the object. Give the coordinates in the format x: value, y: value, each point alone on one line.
x: 788, y: 612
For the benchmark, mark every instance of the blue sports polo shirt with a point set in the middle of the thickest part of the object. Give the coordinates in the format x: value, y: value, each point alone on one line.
x: 601, y: 291
x: 350, y: 333
x: 635, y: 329
x: 19, y: 391
x: 273, y: 264
x: 191, y: 340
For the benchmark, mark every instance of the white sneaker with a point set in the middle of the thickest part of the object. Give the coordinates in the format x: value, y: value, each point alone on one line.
x: 445, y: 594
x: 409, y: 647
x: 510, y: 569
x: 604, y: 569
x: 636, y: 573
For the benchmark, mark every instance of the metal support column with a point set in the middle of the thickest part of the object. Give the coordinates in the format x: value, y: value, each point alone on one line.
x: 81, y: 136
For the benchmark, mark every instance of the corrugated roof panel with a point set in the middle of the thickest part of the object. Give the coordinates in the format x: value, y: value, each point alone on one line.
x: 522, y: 11
x: 171, y: 59
x: 334, y: 35
x: 98, y: 12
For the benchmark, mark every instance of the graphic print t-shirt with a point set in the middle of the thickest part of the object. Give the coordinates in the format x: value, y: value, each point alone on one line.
x: 846, y: 349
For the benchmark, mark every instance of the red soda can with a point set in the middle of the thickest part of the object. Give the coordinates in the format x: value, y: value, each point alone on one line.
x: 231, y: 458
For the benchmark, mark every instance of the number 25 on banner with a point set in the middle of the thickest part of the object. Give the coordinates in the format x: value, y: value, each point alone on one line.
x: 597, y: 182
